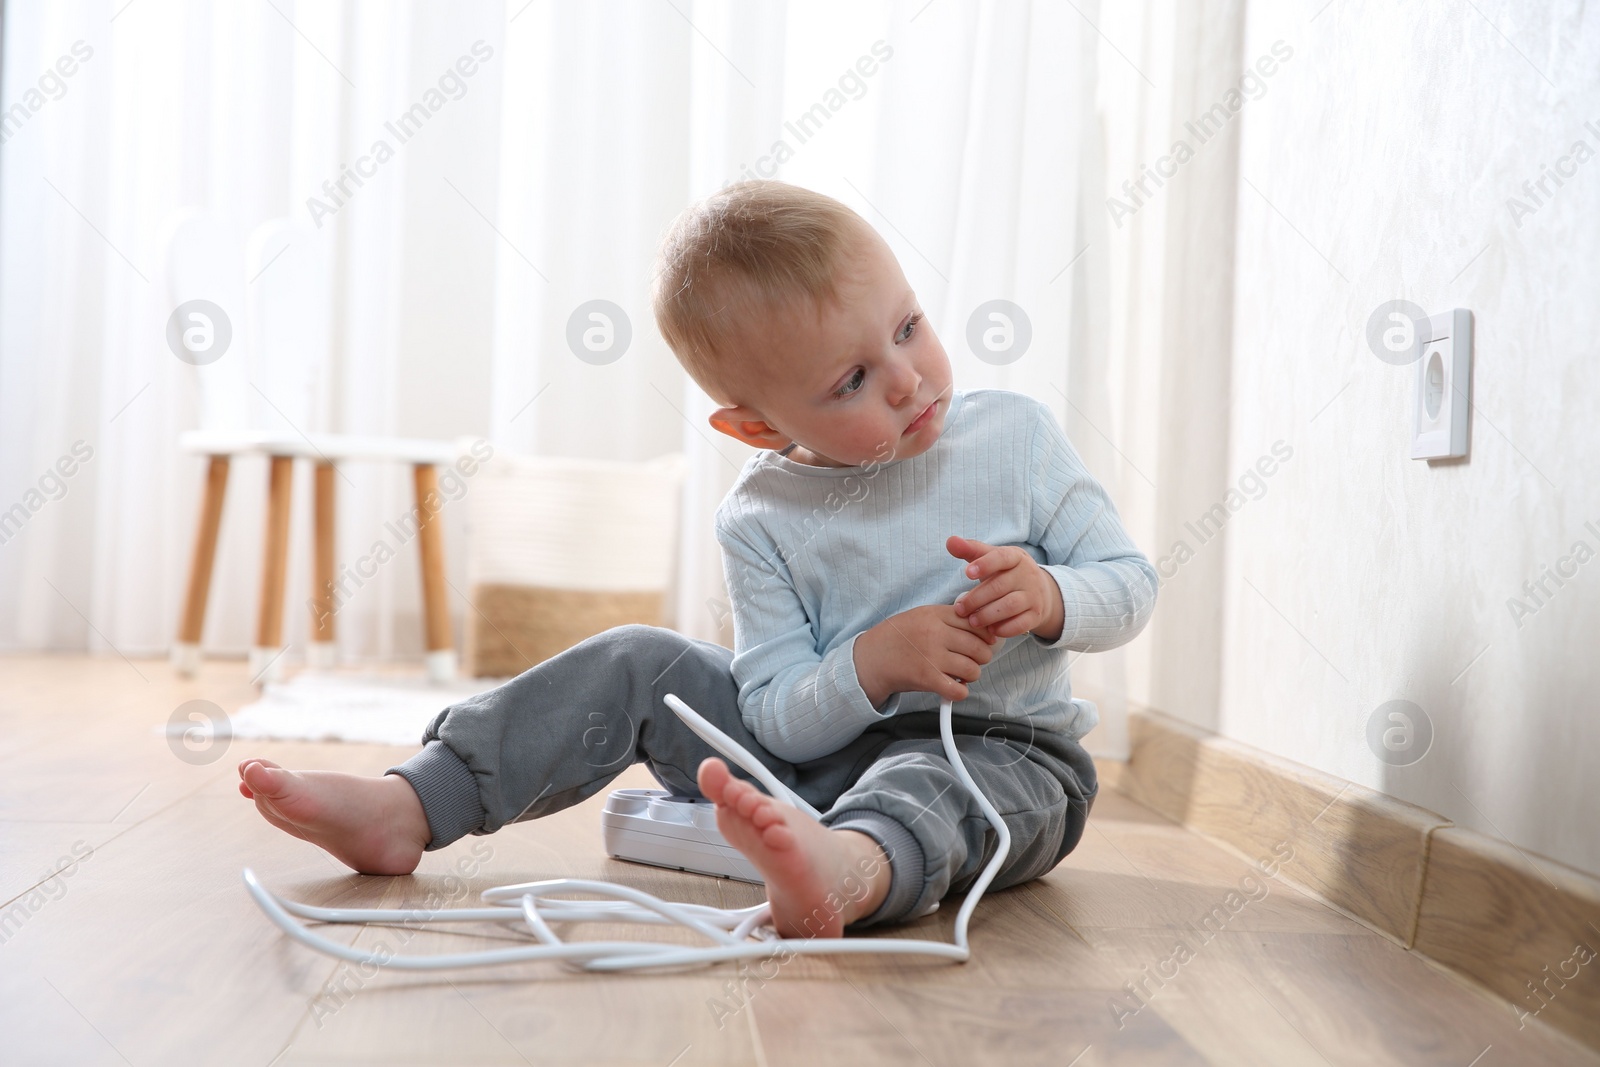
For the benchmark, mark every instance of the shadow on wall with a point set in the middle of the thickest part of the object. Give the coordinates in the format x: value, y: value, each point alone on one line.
x: 1421, y: 736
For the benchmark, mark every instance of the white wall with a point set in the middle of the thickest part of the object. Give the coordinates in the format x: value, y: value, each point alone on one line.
x: 1378, y: 165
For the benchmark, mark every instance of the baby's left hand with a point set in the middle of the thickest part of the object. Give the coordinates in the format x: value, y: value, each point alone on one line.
x: 1014, y: 595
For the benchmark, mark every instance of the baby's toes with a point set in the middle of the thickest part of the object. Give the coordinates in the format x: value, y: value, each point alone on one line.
x: 765, y: 815
x: 713, y: 778
x: 259, y: 777
x: 778, y: 836
x: 750, y: 801
x: 740, y: 799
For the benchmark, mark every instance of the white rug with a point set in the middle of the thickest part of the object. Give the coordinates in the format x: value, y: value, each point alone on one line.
x: 329, y: 706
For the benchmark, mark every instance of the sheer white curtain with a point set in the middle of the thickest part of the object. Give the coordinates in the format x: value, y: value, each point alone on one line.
x: 241, y: 112
x: 966, y: 133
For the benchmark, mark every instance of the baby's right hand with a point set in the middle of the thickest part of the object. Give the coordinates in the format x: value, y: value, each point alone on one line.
x: 929, y: 649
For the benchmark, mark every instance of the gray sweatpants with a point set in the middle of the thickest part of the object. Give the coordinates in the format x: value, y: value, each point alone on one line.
x: 561, y: 731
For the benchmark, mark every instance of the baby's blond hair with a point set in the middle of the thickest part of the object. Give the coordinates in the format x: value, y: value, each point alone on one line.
x: 748, y: 250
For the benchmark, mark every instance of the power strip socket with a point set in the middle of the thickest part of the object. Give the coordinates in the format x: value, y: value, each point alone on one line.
x: 664, y: 830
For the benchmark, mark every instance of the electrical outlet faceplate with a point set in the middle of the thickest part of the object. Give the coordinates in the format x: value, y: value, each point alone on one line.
x: 1443, y: 396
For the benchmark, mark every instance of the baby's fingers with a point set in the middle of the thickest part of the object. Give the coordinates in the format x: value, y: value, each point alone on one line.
x: 1006, y: 608
x: 987, y: 592
x: 978, y: 647
x: 946, y: 687
x: 964, y: 670
x: 995, y: 562
x: 1017, y: 624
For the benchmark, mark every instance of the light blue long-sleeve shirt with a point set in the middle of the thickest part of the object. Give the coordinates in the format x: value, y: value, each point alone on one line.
x: 814, y: 556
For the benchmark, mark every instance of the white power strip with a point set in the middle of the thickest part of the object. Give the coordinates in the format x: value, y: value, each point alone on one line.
x: 655, y: 827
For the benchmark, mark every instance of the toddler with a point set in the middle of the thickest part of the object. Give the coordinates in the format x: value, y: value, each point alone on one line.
x: 897, y: 542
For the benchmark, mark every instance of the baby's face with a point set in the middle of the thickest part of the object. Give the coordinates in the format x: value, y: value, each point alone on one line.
x: 865, y: 380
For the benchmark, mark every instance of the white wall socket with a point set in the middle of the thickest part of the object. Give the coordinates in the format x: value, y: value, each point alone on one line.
x: 1443, y: 397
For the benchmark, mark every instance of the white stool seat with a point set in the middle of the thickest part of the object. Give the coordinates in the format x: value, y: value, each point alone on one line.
x: 323, y: 446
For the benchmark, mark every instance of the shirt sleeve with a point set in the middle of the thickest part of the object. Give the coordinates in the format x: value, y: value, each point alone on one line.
x: 1108, y: 587
x: 799, y: 703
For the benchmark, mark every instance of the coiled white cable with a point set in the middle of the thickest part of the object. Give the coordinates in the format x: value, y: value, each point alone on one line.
x: 734, y: 933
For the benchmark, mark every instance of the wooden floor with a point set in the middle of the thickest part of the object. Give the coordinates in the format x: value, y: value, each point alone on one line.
x: 150, y: 952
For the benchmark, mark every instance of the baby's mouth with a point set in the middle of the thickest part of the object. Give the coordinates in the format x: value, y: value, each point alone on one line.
x: 922, y: 419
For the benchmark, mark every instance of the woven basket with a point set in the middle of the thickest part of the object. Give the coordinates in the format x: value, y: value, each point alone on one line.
x: 562, y: 549
x: 518, y: 626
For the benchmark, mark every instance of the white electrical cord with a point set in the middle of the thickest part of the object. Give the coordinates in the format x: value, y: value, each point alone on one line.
x: 735, y: 933
x: 726, y: 745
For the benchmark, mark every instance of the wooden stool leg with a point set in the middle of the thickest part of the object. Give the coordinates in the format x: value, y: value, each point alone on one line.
x: 435, y: 605
x: 186, y: 650
x: 324, y: 653
x: 265, y: 658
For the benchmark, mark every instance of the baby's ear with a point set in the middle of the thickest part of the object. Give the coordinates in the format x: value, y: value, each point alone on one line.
x: 746, y: 424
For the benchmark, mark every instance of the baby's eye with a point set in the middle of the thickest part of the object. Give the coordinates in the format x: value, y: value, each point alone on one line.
x: 852, y: 383
x: 911, y: 326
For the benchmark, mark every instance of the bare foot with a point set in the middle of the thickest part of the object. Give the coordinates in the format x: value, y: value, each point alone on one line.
x: 818, y: 880
x: 373, y: 825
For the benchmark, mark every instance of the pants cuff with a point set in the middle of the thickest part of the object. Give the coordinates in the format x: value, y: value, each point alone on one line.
x: 906, y: 864
x: 448, y: 791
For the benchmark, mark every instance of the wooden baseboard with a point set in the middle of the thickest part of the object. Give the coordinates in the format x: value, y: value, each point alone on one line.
x: 1110, y: 773
x: 1523, y: 926
x: 1356, y: 848
x: 1526, y: 928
